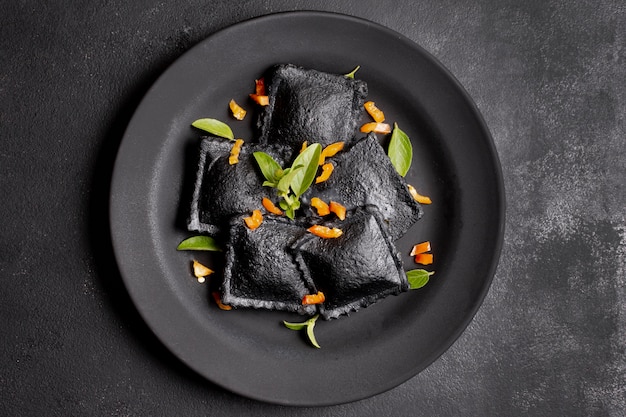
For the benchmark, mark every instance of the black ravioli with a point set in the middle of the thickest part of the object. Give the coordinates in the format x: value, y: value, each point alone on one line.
x: 276, y: 265
x: 364, y: 175
x: 223, y: 190
x: 309, y: 105
x: 260, y: 272
x: 356, y: 269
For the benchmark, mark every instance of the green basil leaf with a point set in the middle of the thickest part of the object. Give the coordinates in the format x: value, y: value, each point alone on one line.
x: 418, y: 278
x: 295, y: 326
x: 309, y: 331
x: 269, y: 167
x: 309, y: 325
x: 400, y: 150
x: 199, y: 243
x: 288, y: 178
x: 309, y: 159
x: 214, y: 127
x: 352, y: 73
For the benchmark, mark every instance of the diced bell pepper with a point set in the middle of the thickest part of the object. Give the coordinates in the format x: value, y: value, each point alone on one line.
x: 321, y: 207
x: 338, y: 209
x: 238, y: 112
x: 233, y: 158
x: 382, y: 128
x: 270, y: 207
x: 255, y: 220
x: 374, y: 111
x: 327, y: 169
x: 325, y: 232
x: 311, y: 299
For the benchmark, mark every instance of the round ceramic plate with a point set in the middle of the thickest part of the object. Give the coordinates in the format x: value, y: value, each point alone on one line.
x: 250, y: 352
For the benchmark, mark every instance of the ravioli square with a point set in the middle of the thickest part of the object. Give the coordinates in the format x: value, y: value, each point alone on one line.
x: 221, y: 190
x: 355, y: 269
x: 363, y: 175
x: 261, y: 272
x: 310, y: 105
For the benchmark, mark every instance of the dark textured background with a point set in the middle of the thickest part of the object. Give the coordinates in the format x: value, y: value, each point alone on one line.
x: 549, y: 78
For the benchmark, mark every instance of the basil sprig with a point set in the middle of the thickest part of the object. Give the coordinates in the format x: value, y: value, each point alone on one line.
x: 400, y: 150
x: 214, y: 127
x: 292, y: 182
x: 418, y: 278
x: 309, y: 325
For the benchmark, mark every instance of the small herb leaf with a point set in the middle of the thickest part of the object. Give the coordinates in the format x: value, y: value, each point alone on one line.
x: 269, y: 167
x: 309, y: 331
x: 400, y: 150
x: 214, y: 127
x: 418, y: 278
x: 352, y: 73
x: 309, y: 325
x: 206, y: 243
x: 295, y: 326
x: 309, y: 159
x: 287, y: 180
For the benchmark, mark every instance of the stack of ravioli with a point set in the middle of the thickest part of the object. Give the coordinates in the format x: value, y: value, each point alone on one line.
x: 277, y: 264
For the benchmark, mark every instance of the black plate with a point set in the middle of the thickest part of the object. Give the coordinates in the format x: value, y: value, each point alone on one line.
x: 249, y: 352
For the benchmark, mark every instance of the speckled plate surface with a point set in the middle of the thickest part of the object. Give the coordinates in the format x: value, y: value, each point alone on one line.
x: 249, y: 352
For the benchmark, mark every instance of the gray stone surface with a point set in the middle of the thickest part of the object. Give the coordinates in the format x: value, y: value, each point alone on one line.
x: 548, y: 76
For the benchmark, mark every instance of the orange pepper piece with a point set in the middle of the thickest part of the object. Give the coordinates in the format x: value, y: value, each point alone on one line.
x: 376, y: 127
x: 422, y: 199
x: 338, y: 209
x: 330, y: 150
x: 327, y: 169
x: 304, y: 146
x: 325, y: 232
x: 260, y: 96
x: 218, y: 301
x: 420, y: 248
x: 424, y: 258
x: 374, y: 111
x: 270, y: 207
x: 259, y: 86
x: 238, y: 112
x: 261, y: 100
x: 321, y: 206
x: 255, y: 220
x: 234, y: 152
x: 318, y: 298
